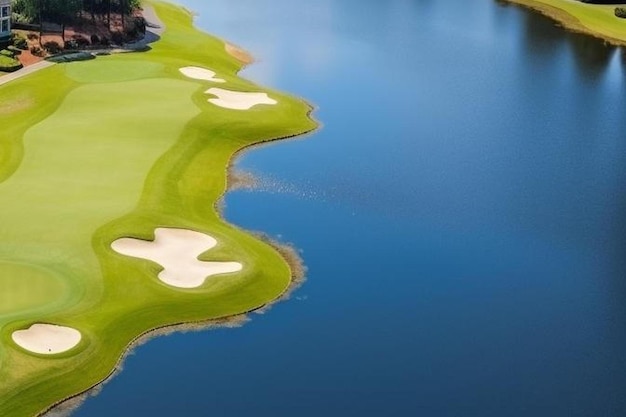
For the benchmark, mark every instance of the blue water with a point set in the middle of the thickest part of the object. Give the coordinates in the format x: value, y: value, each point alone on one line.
x: 462, y: 214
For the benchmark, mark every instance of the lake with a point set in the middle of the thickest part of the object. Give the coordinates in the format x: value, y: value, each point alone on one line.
x: 462, y: 213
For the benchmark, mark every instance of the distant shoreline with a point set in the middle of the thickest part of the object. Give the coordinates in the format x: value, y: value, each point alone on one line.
x: 572, y: 15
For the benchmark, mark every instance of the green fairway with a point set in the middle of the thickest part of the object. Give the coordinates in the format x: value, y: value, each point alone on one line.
x: 28, y: 288
x: 113, y: 70
x: 94, y: 151
x: 593, y: 19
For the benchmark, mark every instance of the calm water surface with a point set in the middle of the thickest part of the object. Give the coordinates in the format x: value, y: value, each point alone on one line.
x: 462, y: 214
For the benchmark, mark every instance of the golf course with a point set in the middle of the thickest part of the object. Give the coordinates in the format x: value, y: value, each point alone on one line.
x: 597, y: 20
x: 111, y: 173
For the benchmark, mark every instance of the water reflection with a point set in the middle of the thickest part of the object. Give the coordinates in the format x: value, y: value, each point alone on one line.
x: 593, y: 56
x: 623, y: 55
x: 540, y: 34
x: 546, y: 38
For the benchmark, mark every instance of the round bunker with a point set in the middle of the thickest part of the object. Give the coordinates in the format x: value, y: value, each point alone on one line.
x: 47, y: 339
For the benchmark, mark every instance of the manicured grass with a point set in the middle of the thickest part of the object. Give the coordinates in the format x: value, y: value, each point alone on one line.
x: 27, y: 288
x: 97, y: 150
x: 593, y: 19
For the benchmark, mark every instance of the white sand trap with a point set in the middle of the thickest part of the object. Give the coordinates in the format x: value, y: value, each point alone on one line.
x: 47, y: 339
x: 237, y: 100
x: 198, y: 73
x: 177, y: 251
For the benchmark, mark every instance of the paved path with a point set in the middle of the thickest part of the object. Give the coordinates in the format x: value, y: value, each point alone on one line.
x: 154, y: 30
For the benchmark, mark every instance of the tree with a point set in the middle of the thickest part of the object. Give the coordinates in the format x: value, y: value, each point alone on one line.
x: 63, y: 11
x: 29, y: 9
x: 58, y: 11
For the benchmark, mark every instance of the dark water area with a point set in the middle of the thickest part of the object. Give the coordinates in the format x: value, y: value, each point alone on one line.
x: 462, y: 214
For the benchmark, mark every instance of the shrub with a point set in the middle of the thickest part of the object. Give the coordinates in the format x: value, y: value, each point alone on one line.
x: 20, y: 18
x: 37, y: 51
x: 71, y: 44
x: 52, y: 47
x: 117, y: 38
x: 32, y: 36
x: 19, y: 41
x: 8, y: 64
x: 95, y: 39
x: 71, y: 57
x: 15, y: 50
x: 620, y: 12
x: 6, y: 52
x: 82, y: 41
x: 132, y: 33
x: 140, y: 24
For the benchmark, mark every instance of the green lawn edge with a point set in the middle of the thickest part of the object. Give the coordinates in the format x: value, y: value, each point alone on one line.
x: 181, y: 190
x: 597, y: 20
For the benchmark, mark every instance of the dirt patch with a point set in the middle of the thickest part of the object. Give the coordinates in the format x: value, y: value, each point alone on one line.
x: 14, y: 106
x: 238, y: 53
x: 241, y: 180
x: 26, y: 57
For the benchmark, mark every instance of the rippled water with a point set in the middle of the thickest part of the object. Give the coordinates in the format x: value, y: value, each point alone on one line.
x: 462, y: 213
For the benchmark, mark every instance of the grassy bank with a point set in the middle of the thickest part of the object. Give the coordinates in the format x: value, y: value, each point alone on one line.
x: 591, y: 19
x: 115, y: 147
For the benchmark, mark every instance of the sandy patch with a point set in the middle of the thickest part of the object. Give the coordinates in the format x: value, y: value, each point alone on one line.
x: 13, y: 106
x: 237, y: 100
x: 198, y: 73
x: 47, y: 339
x: 238, y: 53
x: 177, y: 251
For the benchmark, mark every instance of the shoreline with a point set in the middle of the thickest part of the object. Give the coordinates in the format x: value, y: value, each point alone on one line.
x: 569, y: 21
x: 296, y: 264
x: 287, y: 252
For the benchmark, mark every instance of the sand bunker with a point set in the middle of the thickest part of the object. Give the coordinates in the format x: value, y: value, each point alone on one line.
x: 177, y: 251
x: 237, y: 100
x: 198, y: 73
x: 47, y: 339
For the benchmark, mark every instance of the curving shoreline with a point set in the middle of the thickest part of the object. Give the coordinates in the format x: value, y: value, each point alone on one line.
x: 593, y: 20
x: 298, y: 278
x: 12, y: 402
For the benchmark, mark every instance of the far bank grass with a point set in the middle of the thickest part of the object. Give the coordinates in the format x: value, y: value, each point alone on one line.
x: 597, y: 20
x: 115, y: 147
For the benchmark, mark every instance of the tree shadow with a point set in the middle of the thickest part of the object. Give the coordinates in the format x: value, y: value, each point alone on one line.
x: 545, y: 37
